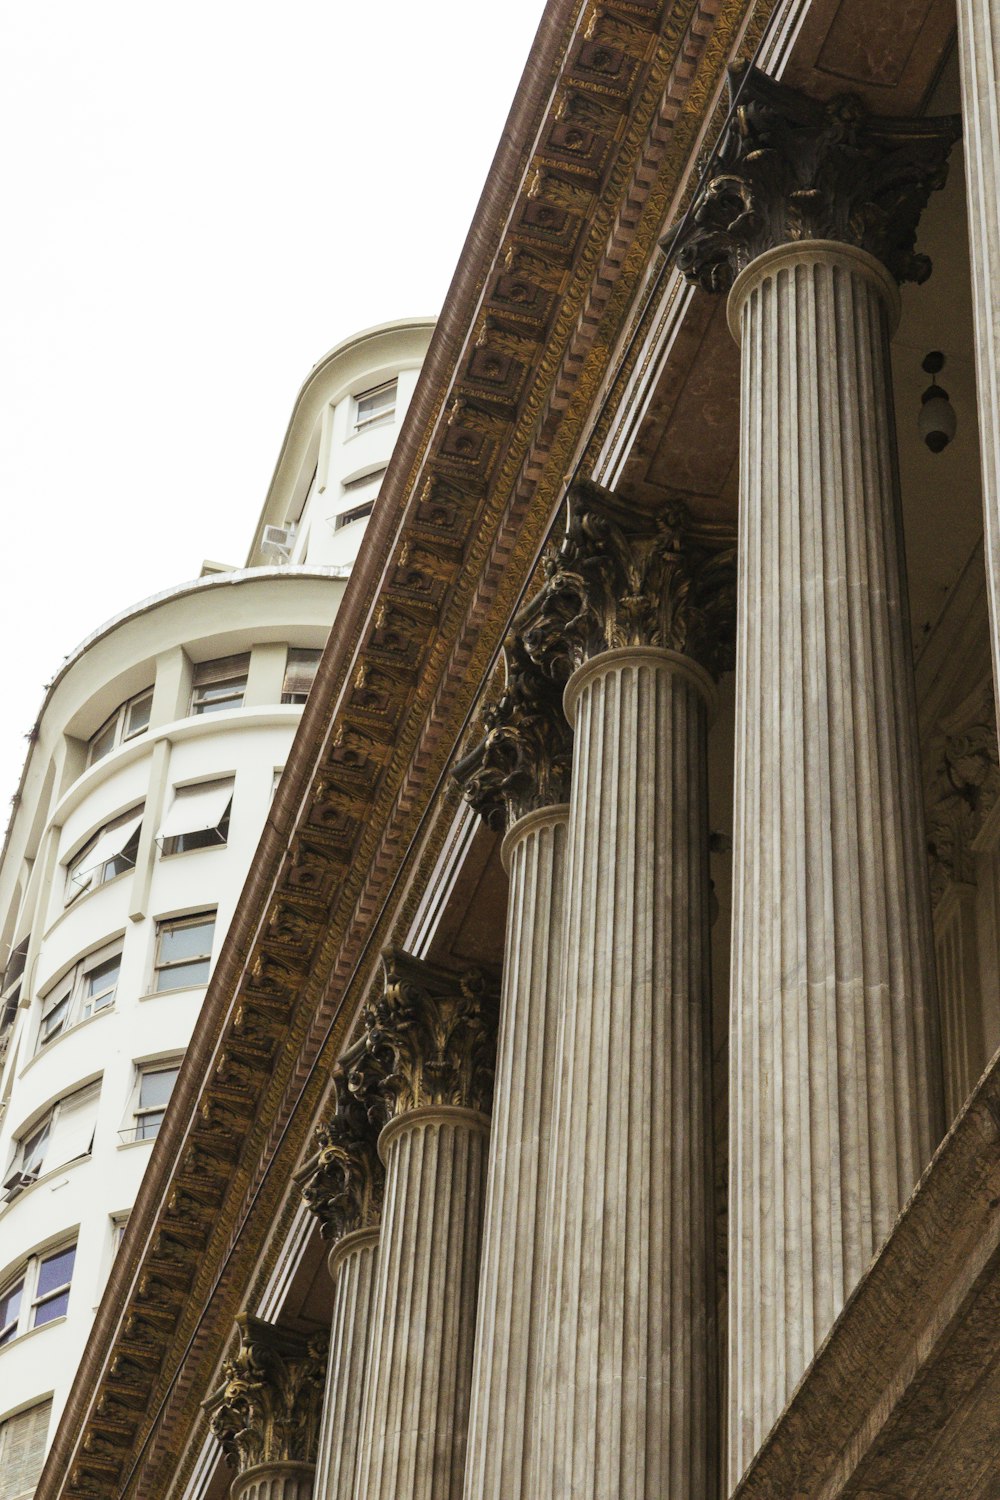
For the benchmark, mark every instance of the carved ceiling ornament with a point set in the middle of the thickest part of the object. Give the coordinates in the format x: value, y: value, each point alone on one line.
x: 964, y: 790
x: 343, y: 1182
x: 626, y: 577
x: 268, y: 1410
x: 791, y: 168
x: 432, y: 1036
x: 524, y: 758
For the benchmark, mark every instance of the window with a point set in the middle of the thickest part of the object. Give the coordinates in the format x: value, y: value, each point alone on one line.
x: 111, y: 851
x: 155, y: 1084
x: 129, y: 719
x: 63, y: 1134
x: 363, y: 479
x: 22, y: 1451
x: 357, y: 513
x: 198, y: 817
x: 183, y: 951
x: 300, y: 672
x: 220, y: 684
x: 37, y: 1294
x: 376, y: 405
x: 88, y: 988
x: 10, y: 988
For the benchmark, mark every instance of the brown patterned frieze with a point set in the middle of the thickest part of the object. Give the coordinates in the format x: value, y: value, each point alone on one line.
x: 790, y: 168
x: 432, y: 1035
x: 268, y: 1409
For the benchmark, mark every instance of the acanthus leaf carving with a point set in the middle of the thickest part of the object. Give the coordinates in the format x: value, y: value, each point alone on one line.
x: 269, y: 1407
x: 343, y: 1182
x: 964, y: 790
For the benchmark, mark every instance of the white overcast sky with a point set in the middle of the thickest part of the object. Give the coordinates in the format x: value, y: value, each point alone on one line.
x: 199, y: 200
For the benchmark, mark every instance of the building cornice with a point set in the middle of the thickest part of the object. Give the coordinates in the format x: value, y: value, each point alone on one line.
x: 597, y: 146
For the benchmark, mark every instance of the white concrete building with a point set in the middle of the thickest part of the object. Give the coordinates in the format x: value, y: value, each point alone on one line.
x: 148, y: 780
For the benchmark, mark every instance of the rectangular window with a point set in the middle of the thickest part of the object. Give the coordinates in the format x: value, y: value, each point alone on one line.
x: 156, y: 1084
x: 198, y: 817
x: 220, y: 684
x: 129, y: 719
x: 357, y: 513
x: 22, y: 1451
x: 62, y: 1135
x: 89, y: 987
x: 183, y: 951
x: 374, y: 406
x: 112, y: 851
x: 300, y: 673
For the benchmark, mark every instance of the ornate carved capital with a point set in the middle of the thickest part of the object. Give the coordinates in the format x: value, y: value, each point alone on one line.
x: 623, y: 577
x: 268, y: 1410
x: 964, y: 790
x: 524, y: 759
x: 342, y: 1183
x: 791, y: 168
x: 432, y: 1036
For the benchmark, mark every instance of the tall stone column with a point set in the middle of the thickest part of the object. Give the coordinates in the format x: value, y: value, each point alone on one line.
x: 517, y: 779
x: 626, y: 1392
x: 266, y: 1415
x: 432, y: 1038
x: 835, y: 1089
x: 342, y: 1185
x: 979, y: 57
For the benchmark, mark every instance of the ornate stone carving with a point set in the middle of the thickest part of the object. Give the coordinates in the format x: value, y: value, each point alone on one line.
x: 963, y: 791
x: 268, y: 1411
x: 794, y: 168
x: 625, y: 577
x: 524, y: 759
x: 342, y: 1183
x: 431, y: 1035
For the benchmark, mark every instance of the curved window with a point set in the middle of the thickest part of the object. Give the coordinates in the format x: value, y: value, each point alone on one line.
x: 111, y: 851
x: 89, y: 987
x: 63, y: 1134
x: 129, y: 719
x: 38, y: 1293
x: 220, y: 684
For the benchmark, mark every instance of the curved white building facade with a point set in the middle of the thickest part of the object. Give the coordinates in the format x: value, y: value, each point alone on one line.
x: 148, y: 780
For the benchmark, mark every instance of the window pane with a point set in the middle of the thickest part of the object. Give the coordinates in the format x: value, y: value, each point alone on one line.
x: 56, y: 1270
x: 156, y: 1088
x: 137, y: 715
x: 34, y: 1149
x: 147, y: 1127
x: 179, y: 976
x: 186, y: 940
x: 46, y: 1312
x: 103, y: 977
x: 10, y: 1307
x: 104, y: 739
x: 54, y: 1019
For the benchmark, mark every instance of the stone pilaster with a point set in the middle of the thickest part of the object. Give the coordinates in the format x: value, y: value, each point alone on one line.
x: 343, y: 1185
x: 630, y: 610
x: 979, y: 58
x: 517, y: 778
x: 266, y: 1415
x: 835, y: 1093
x: 431, y: 1037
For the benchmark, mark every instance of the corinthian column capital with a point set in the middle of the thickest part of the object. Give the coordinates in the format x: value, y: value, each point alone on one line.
x: 343, y: 1181
x: 624, y: 577
x: 793, y: 168
x: 268, y: 1409
x: 431, y: 1035
x: 524, y: 760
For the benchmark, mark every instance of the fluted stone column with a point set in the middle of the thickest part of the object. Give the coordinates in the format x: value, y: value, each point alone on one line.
x: 517, y: 778
x: 625, y: 1401
x: 343, y: 1185
x: 979, y: 57
x: 266, y: 1415
x: 835, y: 1089
x: 432, y: 1035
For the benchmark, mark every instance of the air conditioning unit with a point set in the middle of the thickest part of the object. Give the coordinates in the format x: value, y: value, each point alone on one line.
x: 15, y: 1182
x: 277, y: 541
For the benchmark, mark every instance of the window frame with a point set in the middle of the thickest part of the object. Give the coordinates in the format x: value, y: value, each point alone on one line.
x: 216, y: 837
x: 23, y: 1477
x: 104, y: 874
x: 70, y: 990
x: 26, y: 1278
x: 380, y: 414
x: 203, y: 704
x: 135, y: 1132
x: 118, y: 722
x: 165, y: 924
x: 39, y: 1134
x: 291, y: 695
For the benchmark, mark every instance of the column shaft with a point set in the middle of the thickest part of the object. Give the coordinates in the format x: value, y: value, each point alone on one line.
x: 352, y: 1265
x: 628, y: 1369
x: 415, y: 1416
x: 511, y: 1300
x: 979, y: 56
x: 835, y: 1091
